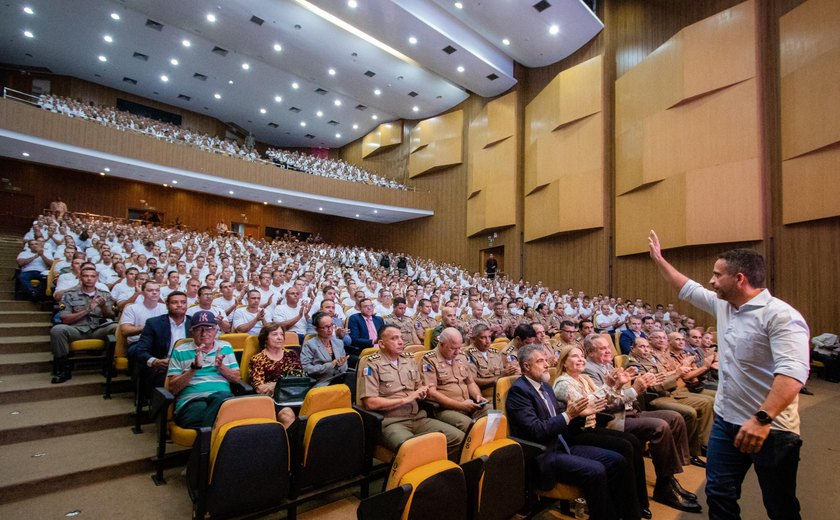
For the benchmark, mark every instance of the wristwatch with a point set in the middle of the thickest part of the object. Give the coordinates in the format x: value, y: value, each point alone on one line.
x: 763, y: 417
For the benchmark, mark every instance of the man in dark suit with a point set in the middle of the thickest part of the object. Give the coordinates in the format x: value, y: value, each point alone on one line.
x: 364, y: 327
x: 534, y: 414
x: 151, y: 351
x: 628, y: 337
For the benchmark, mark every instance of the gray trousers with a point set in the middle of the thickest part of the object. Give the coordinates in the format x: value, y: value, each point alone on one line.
x: 62, y: 335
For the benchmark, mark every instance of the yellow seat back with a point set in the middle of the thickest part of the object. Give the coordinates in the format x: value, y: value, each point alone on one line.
x: 503, y: 385
x: 251, y: 349
x: 475, y: 437
x: 236, y: 340
x: 414, y: 453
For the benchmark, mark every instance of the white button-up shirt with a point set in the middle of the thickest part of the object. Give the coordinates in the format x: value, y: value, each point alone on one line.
x: 762, y: 338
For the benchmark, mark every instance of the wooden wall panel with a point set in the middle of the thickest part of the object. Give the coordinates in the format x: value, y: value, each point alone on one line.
x: 492, y: 166
x: 810, y: 113
x: 436, y: 143
x: 697, y: 124
x: 566, y: 152
x: 382, y: 137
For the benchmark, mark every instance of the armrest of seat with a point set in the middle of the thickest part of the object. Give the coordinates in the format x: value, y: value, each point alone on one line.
x: 387, y: 505
x: 161, y: 399
x: 473, y: 471
x: 240, y: 388
x: 530, y: 449
x: 431, y: 408
x: 198, y: 469
x: 372, y: 424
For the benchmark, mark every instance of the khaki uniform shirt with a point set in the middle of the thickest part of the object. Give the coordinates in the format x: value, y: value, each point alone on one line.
x: 74, y: 300
x: 406, y: 326
x: 450, y: 378
x: 485, y: 364
x: 421, y: 323
x: 384, y: 379
x: 472, y: 322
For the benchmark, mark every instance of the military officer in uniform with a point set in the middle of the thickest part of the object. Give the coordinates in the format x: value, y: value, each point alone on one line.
x: 524, y: 334
x: 448, y: 319
x: 487, y: 363
x: 393, y: 386
x: 404, y: 323
x: 447, y: 374
x: 501, y: 324
x: 86, y: 313
x: 476, y: 318
x: 423, y: 319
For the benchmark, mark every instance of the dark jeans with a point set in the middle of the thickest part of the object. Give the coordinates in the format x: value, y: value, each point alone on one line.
x: 26, y: 277
x: 775, y: 466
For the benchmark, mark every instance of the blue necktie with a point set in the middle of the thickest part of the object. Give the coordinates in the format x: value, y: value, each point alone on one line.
x: 549, y: 398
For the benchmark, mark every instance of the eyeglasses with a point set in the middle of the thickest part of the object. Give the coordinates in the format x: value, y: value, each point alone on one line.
x: 330, y: 326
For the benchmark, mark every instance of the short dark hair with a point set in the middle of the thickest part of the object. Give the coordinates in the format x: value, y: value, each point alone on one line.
x: 748, y: 262
x: 317, y: 318
x: 524, y: 331
x: 585, y: 320
x: 567, y: 323
x: 383, y: 328
x: 398, y: 300
x: 175, y: 293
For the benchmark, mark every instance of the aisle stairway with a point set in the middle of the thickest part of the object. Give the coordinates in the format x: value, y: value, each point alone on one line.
x: 56, y: 437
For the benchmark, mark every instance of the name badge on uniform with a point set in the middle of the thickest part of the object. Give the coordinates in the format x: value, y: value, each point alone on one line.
x: 427, y: 367
x: 511, y: 358
x: 367, y: 371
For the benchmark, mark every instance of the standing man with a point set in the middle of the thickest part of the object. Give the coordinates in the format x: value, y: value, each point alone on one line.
x: 491, y: 266
x: 763, y: 348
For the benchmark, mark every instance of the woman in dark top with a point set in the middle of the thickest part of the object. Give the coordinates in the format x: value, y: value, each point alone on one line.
x: 273, y: 363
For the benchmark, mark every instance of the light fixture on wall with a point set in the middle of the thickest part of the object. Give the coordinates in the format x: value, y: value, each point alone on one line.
x: 491, y: 239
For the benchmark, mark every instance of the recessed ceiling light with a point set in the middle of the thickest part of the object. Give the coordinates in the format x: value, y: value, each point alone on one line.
x: 278, y: 47
x: 28, y: 34
x: 374, y: 117
x: 217, y: 95
x: 103, y: 174
x: 337, y: 102
x: 245, y: 66
x: 174, y: 182
x: 460, y: 68
x: 506, y: 41
x: 28, y: 10
x: 25, y: 154
x: 174, y: 61
x: 279, y: 201
x: 331, y: 72
x: 355, y: 126
x: 303, y: 123
x: 263, y: 111
x: 230, y: 82
x: 357, y: 215
x: 185, y: 43
x: 295, y: 85
x: 459, y: 5
x: 319, y: 113
x: 352, y: 3
x: 230, y: 191
x: 107, y: 169
x: 165, y: 185
x: 412, y: 40
x: 338, y: 136
x: 278, y: 99
x: 375, y: 211
x: 102, y: 58
x: 415, y: 108
x: 164, y: 78
x: 211, y: 17
x: 108, y: 38
x: 377, y: 92
x: 115, y: 16
x: 554, y: 29
x: 265, y: 203
x: 320, y: 209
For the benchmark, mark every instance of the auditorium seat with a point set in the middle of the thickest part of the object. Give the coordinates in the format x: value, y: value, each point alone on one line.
x: 236, y: 340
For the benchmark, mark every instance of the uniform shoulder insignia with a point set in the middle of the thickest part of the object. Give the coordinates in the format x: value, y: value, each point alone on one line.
x: 373, y: 356
x: 429, y: 354
x: 470, y: 350
x: 494, y: 350
x: 408, y: 355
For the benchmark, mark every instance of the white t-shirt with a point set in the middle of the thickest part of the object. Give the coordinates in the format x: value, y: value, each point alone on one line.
x: 285, y: 313
x: 242, y: 316
x: 137, y: 314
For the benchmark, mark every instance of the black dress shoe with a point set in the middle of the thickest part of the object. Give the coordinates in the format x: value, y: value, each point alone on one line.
x: 646, y: 514
x: 679, y: 489
x: 697, y: 461
x: 669, y: 496
x: 61, y: 377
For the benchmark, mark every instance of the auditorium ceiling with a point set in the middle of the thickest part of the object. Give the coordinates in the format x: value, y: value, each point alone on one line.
x: 316, y: 73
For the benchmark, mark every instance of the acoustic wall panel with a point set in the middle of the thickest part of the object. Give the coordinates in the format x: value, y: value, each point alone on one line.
x: 687, y: 118
x: 810, y: 114
x: 564, y: 153
x: 381, y: 138
x: 436, y: 143
x: 491, y: 172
